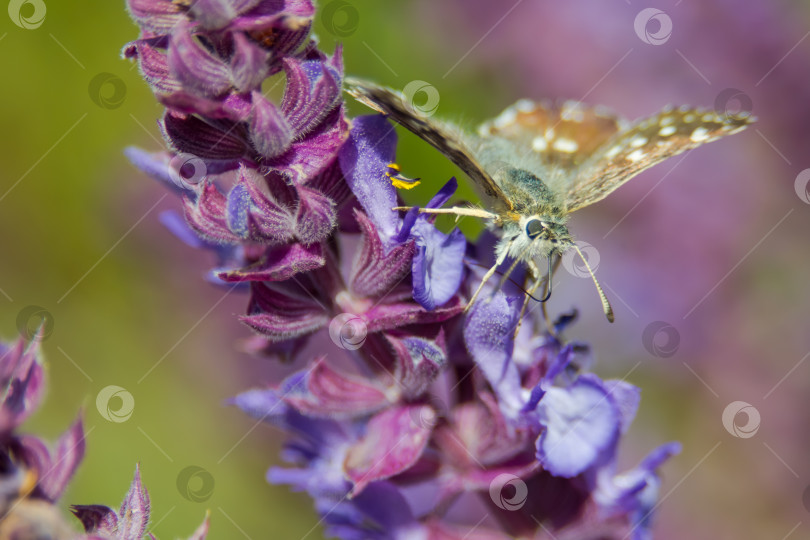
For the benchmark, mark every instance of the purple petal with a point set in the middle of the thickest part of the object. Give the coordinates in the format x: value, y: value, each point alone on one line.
x: 419, y: 362
x: 237, y: 210
x: 202, y: 531
x: 214, y: 14
x: 157, y: 165
x: 581, y: 425
x: 278, y: 316
x: 269, y: 131
x: 393, y: 442
x: 66, y: 459
x: 626, y: 398
x: 206, y: 215
x: 364, y: 158
x: 313, y: 89
x: 443, y: 194
x: 176, y: 225
x: 22, y: 381
x: 262, y: 404
x: 96, y: 518
x: 489, y: 335
x: 438, y: 265
x: 394, y: 315
x: 308, y: 157
x: 316, y: 216
x: 199, y: 71
x: 158, y: 16
x: 374, y: 272
x: 272, y: 215
x: 134, y: 512
x: 280, y: 264
x: 192, y: 135
x: 153, y: 64
x: 320, y: 391
x: 248, y: 64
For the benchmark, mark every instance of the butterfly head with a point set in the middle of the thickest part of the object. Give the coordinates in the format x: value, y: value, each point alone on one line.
x: 529, y: 237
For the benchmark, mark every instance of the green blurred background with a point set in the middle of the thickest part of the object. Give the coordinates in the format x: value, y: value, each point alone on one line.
x: 130, y: 308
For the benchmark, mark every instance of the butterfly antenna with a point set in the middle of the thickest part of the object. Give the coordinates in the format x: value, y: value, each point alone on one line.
x: 606, y: 307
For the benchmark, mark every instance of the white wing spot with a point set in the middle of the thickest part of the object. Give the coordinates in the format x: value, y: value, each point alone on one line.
x: 666, y: 131
x: 539, y: 144
x: 549, y: 134
x: 613, y: 152
x: 638, y: 140
x: 525, y: 106
x: 710, y: 117
x: 665, y: 121
x: 689, y: 118
x: 506, y: 118
x: 636, y: 155
x: 700, y: 134
x: 567, y: 146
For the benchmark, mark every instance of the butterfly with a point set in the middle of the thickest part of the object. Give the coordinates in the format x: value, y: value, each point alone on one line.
x: 537, y: 162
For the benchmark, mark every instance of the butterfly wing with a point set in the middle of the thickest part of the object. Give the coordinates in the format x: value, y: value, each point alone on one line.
x: 646, y: 143
x: 562, y: 135
x: 442, y: 137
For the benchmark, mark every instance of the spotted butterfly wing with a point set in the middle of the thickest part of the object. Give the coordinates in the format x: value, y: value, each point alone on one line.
x: 644, y: 144
x: 443, y: 136
x: 563, y: 135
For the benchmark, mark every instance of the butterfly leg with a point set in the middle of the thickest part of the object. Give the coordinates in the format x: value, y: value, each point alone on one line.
x: 456, y: 210
x: 486, y: 277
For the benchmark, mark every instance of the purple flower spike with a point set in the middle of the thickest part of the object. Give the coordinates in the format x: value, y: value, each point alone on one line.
x: 197, y: 70
x: 279, y: 317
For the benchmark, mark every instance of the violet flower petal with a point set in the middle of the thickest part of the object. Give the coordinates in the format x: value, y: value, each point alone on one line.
x: 316, y: 216
x: 22, y: 383
x: 199, y: 71
x: 248, y: 64
x: 321, y: 391
x: 191, y: 135
x: 134, y: 512
x: 96, y: 518
x: 157, y: 16
x: 270, y: 133
x: 581, y: 425
x: 373, y: 271
x: 393, y: 442
x: 313, y: 89
x: 438, y: 265
x: 489, y: 335
x: 364, y: 158
x: 279, y: 264
x: 66, y: 458
x: 215, y: 14
x: 279, y: 317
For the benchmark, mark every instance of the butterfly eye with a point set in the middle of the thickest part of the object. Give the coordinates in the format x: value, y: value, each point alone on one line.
x: 534, y: 227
